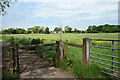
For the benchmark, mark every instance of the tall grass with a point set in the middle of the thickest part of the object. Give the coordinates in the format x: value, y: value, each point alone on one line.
x: 10, y: 77
x: 71, y: 37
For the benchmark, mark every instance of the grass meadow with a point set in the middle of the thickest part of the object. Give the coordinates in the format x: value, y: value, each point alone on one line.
x: 75, y: 54
x: 71, y: 37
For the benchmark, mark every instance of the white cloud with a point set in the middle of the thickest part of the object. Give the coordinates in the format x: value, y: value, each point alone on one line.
x: 68, y: 9
x: 73, y: 12
x: 68, y: 0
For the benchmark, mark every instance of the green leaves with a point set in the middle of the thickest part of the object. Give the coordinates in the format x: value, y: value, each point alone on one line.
x: 47, y: 30
x: 68, y: 29
x: 103, y: 28
x: 57, y: 29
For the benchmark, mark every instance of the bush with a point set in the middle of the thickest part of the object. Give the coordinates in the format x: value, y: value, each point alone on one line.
x: 23, y: 41
x: 11, y: 39
x: 35, y: 41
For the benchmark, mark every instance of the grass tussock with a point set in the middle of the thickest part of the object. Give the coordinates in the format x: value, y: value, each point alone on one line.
x: 10, y: 77
x: 81, y: 70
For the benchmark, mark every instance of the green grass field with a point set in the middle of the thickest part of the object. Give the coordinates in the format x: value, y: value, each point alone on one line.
x: 71, y: 37
x: 76, y: 53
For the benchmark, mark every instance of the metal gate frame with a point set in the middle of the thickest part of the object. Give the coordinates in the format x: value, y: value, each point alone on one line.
x: 112, y: 66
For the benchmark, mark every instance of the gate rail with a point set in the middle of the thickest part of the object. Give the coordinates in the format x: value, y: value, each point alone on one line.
x: 112, y: 61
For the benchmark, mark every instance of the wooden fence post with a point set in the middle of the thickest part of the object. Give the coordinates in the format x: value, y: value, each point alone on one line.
x: 66, y: 49
x: 12, y: 59
x: 86, y: 50
x: 57, y: 52
x: 16, y: 59
x: 61, y: 54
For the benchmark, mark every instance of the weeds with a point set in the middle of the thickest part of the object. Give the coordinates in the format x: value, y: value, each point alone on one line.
x: 10, y: 77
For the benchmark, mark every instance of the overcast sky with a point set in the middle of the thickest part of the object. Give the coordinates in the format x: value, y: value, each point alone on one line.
x: 75, y: 13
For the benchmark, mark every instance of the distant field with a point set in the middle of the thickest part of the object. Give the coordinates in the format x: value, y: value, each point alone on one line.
x: 71, y: 37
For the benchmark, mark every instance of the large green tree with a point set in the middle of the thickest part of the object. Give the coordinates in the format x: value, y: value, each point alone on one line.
x: 47, y: 30
x: 36, y: 29
x: 20, y: 31
x: 68, y: 29
x: 103, y: 28
x: 60, y: 29
x: 56, y: 29
x: 41, y: 30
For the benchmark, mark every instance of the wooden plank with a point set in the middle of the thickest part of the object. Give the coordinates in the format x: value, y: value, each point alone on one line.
x: 37, y: 45
x: 12, y: 59
x: 51, y: 48
x: 75, y: 45
x: 11, y: 62
x: 27, y: 66
x: 34, y: 51
x: 50, y: 54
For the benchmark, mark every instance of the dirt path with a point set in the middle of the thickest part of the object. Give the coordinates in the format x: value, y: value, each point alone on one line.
x: 4, y: 58
x: 32, y: 66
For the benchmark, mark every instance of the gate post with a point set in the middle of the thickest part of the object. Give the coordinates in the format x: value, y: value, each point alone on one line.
x: 12, y: 61
x: 66, y: 49
x: 59, y: 51
x: 61, y: 54
x: 16, y: 59
x: 86, y: 50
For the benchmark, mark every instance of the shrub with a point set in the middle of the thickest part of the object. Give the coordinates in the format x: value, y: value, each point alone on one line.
x: 23, y: 41
x: 11, y: 39
x: 35, y: 41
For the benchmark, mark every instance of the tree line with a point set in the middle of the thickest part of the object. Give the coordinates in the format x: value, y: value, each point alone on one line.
x: 35, y: 29
x: 103, y: 29
x: 67, y: 29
